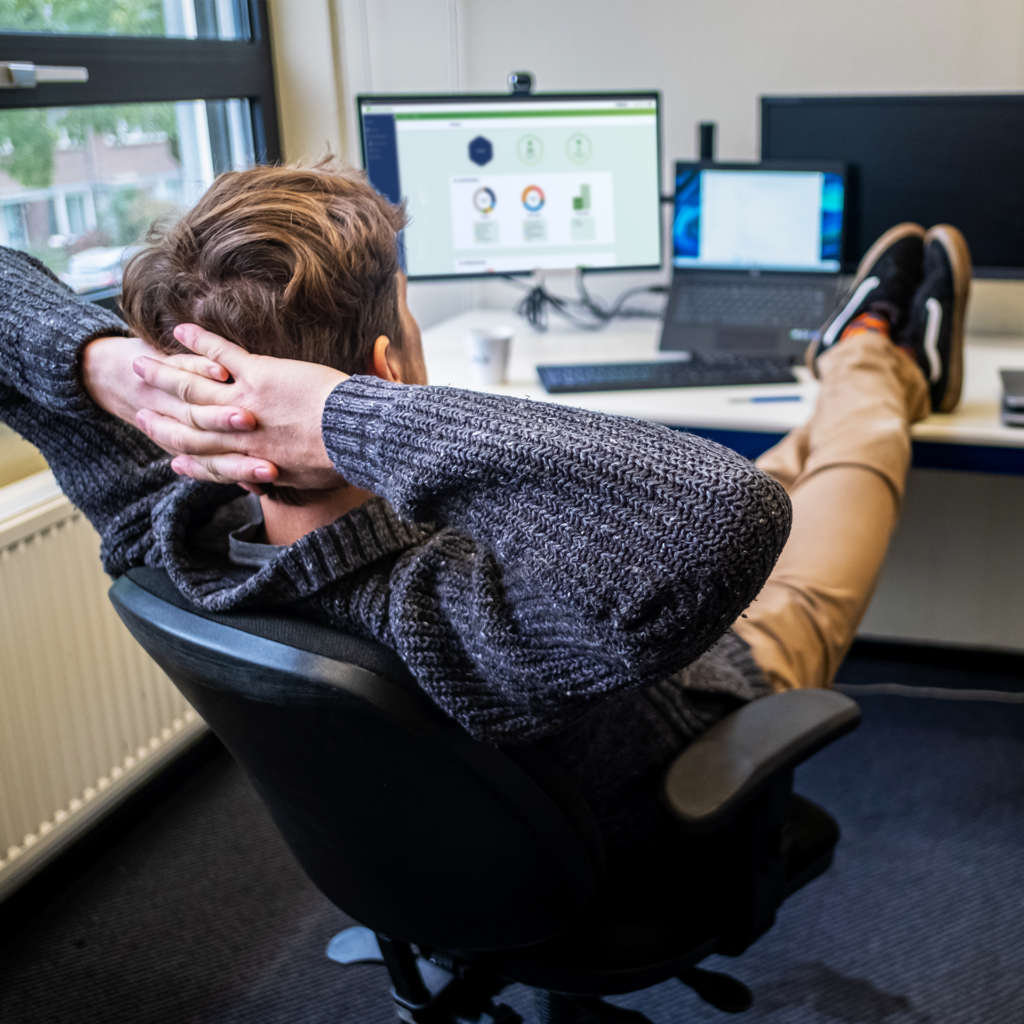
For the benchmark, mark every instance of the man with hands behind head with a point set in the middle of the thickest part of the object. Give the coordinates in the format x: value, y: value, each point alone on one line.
x: 549, y: 576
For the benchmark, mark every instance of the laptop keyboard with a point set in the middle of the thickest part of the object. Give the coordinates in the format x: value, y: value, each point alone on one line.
x: 746, y: 305
x: 691, y: 373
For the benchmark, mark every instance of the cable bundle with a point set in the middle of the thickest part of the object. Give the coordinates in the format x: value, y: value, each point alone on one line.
x: 585, y: 312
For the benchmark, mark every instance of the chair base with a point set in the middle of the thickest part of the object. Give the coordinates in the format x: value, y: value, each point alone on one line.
x: 454, y: 992
x: 426, y: 992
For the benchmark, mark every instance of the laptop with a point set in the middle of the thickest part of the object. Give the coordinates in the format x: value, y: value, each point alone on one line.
x: 757, y: 250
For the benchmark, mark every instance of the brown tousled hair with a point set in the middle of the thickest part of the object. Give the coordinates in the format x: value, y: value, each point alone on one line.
x: 294, y: 262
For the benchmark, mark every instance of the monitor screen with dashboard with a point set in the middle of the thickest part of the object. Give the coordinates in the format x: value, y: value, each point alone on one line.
x: 758, y: 217
x: 508, y: 184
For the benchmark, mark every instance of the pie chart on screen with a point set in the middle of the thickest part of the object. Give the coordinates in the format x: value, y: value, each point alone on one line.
x: 484, y: 200
x: 533, y: 198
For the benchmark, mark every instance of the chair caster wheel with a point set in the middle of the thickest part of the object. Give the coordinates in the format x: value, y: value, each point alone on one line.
x: 555, y: 1008
x: 722, y: 992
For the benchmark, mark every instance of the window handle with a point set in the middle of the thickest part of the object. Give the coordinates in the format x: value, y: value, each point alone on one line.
x: 16, y: 74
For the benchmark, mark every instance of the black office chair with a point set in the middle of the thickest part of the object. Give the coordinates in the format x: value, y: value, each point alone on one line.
x: 472, y: 867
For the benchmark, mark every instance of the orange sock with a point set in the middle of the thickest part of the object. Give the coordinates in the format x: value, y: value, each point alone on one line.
x: 867, y: 322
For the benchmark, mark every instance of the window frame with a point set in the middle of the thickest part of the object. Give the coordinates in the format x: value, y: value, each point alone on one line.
x: 156, y: 69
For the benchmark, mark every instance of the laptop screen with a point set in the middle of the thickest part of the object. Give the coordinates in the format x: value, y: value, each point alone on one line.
x: 736, y: 217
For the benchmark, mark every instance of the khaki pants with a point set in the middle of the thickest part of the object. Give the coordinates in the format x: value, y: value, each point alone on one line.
x: 845, y: 472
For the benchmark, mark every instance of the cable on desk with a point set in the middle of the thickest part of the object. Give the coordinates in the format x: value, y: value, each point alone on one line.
x: 586, y: 312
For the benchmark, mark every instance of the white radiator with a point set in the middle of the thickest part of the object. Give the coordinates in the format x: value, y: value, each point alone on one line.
x: 85, y: 715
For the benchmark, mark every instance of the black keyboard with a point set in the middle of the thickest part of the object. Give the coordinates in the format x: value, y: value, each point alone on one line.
x: 689, y: 373
x: 751, y: 305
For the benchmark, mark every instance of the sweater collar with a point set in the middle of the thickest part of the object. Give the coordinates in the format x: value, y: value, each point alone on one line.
x: 359, y: 538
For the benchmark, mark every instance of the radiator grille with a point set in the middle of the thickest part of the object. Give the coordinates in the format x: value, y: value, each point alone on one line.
x: 86, y: 715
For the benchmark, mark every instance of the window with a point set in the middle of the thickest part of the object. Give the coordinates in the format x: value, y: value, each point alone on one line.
x: 177, y: 92
x: 90, y: 180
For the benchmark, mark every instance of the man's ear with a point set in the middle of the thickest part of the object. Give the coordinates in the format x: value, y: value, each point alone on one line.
x: 384, y: 361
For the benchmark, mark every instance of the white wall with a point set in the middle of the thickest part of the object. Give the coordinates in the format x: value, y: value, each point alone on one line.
x: 711, y: 59
x: 309, y: 101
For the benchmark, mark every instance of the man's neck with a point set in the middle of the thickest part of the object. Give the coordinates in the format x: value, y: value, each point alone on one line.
x: 285, y: 524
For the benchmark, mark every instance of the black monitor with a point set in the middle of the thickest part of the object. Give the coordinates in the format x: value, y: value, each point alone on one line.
x: 507, y: 184
x: 931, y: 159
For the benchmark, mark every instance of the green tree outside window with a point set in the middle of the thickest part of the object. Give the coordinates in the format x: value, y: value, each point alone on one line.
x: 87, y: 17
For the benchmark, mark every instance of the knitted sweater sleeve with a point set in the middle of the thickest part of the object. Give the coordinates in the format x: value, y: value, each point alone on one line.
x: 111, y: 471
x: 624, y: 548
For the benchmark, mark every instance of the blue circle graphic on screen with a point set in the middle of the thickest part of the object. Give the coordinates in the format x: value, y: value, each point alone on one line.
x: 533, y: 198
x: 484, y: 200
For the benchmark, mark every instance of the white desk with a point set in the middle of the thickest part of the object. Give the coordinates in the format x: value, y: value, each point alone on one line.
x: 982, y: 442
x: 955, y: 570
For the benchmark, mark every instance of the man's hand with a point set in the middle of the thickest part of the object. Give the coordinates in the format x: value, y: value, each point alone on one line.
x: 286, y: 398
x: 110, y: 380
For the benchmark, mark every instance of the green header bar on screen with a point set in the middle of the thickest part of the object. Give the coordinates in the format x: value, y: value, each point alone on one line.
x: 490, y: 114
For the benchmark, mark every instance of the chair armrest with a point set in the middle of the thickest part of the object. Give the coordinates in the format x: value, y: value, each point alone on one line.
x: 742, y: 754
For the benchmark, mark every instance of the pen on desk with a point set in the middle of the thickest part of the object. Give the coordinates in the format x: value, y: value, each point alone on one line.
x: 768, y: 398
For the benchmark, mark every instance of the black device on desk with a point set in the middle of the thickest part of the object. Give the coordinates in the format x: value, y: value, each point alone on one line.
x: 1013, y: 397
x: 694, y: 372
x: 931, y: 159
x: 756, y: 257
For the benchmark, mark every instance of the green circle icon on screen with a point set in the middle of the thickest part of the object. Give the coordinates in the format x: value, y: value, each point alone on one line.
x: 533, y: 198
x: 484, y: 200
x: 578, y: 148
x: 530, y: 149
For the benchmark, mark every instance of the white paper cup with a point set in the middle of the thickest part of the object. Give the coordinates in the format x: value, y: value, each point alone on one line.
x: 487, y: 348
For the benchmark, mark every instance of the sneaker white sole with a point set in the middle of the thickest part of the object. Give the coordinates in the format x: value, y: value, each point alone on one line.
x: 959, y: 255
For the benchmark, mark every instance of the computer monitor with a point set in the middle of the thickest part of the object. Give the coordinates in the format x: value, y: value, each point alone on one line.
x: 931, y: 159
x: 770, y: 217
x: 507, y: 184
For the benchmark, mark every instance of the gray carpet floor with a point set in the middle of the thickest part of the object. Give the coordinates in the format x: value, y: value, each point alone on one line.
x: 200, y: 914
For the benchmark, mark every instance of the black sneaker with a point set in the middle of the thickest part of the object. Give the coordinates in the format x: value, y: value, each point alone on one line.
x: 934, y: 330
x: 885, y: 283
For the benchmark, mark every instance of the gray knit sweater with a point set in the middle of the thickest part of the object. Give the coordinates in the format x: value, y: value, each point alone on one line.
x: 548, y: 575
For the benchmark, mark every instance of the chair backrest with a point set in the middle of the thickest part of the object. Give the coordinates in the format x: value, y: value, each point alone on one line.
x: 399, y: 817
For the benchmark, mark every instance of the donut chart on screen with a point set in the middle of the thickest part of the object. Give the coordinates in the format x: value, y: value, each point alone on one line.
x: 484, y: 200
x: 533, y: 198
